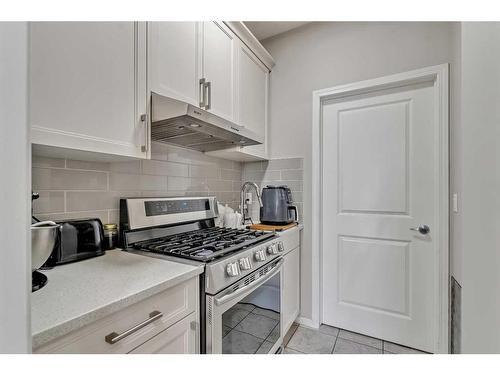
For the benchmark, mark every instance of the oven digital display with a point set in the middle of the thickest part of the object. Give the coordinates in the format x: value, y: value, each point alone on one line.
x: 156, y: 208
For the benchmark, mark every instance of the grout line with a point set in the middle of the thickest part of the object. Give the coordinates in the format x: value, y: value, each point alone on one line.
x: 295, y: 350
x: 334, y: 344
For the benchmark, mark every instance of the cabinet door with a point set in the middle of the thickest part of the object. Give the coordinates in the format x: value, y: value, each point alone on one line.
x: 291, y: 285
x: 219, y: 68
x: 181, y: 338
x: 175, y: 60
x: 253, y: 78
x: 88, y: 86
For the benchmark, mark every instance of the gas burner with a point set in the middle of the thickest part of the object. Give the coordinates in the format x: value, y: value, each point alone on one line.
x: 204, y: 244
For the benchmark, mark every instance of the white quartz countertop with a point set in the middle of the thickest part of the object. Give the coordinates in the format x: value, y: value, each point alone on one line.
x: 80, y: 293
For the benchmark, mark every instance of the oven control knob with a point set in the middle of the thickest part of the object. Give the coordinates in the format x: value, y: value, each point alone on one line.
x: 232, y: 269
x: 272, y: 250
x: 245, y: 264
x: 281, y: 248
x: 260, y: 255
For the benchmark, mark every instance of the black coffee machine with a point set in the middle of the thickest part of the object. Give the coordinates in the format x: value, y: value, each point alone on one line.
x: 277, y: 206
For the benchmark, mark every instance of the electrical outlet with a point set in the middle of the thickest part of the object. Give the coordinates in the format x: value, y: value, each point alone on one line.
x: 248, y: 198
x: 455, y: 202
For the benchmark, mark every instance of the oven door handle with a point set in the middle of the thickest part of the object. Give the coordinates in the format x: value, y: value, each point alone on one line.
x: 261, y: 280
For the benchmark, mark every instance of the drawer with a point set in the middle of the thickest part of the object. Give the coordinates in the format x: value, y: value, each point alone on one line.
x: 181, y: 338
x: 174, y: 304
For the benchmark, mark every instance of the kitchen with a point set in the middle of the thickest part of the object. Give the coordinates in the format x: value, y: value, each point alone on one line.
x: 186, y: 182
x: 188, y: 138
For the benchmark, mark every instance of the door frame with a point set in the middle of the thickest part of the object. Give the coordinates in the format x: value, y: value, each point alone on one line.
x: 439, y: 75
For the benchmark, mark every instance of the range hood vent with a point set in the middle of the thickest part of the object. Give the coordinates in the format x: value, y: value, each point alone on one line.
x: 186, y: 125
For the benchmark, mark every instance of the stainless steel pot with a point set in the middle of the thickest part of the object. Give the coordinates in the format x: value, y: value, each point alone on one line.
x: 43, y: 239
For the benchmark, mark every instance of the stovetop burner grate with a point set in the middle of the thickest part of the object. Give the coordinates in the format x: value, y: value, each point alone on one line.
x: 204, y: 244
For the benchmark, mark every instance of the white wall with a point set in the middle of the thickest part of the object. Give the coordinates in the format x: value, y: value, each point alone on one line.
x: 15, y: 172
x: 321, y: 55
x: 481, y: 187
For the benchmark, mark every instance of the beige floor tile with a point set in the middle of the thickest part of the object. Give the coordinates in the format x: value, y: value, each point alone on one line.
x: 350, y: 347
x: 361, y: 339
x: 311, y: 341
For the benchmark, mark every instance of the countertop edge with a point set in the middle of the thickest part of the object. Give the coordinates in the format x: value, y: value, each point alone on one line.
x: 52, y: 333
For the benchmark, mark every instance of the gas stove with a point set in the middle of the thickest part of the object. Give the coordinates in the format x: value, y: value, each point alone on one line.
x: 204, y: 245
x: 183, y: 229
x: 239, y: 264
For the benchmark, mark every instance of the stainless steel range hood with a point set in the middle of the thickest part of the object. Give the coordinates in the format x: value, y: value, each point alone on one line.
x: 186, y: 125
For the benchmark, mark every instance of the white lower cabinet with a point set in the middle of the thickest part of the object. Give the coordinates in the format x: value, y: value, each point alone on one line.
x: 181, y: 338
x: 167, y: 322
x: 291, y: 288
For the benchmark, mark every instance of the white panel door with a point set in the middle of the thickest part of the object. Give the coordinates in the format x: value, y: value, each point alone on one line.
x: 219, y: 68
x: 175, y: 60
x: 379, y: 180
x: 88, y: 86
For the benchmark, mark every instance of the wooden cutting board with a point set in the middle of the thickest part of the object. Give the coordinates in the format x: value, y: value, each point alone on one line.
x: 272, y: 227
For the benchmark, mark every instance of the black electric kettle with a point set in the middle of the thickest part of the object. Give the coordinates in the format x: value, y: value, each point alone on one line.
x: 277, y: 207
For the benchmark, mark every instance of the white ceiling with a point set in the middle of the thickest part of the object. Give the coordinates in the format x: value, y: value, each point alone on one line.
x: 264, y: 29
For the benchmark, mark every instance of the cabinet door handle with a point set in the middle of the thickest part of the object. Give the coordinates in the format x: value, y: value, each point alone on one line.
x: 144, y: 120
x: 202, y: 92
x: 209, y: 95
x: 114, y: 337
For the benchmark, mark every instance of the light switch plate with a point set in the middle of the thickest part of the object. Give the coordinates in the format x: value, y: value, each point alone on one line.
x: 455, y: 202
x: 248, y: 198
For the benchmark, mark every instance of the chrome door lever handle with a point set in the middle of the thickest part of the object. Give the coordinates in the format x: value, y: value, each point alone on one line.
x: 422, y: 229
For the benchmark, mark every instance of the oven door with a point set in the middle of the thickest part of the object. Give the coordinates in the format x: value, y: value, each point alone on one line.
x: 245, y: 318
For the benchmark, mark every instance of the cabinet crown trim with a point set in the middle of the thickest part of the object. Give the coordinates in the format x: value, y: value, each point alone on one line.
x: 251, y: 42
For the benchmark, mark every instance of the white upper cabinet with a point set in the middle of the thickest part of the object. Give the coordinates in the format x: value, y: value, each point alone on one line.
x: 90, y: 83
x: 253, y: 82
x: 88, y: 86
x: 175, y: 60
x: 219, y: 69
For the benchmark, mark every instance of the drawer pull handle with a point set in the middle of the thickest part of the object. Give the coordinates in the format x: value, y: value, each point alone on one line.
x: 114, y: 337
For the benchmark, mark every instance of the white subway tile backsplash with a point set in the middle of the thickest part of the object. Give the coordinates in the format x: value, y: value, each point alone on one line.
x: 186, y: 184
x: 237, y: 185
x: 231, y: 174
x: 262, y: 175
x: 280, y: 164
x: 87, y: 165
x: 92, y: 200
x: 68, y: 179
x: 77, y: 189
x: 253, y: 166
x: 164, y: 168
x: 293, y: 185
x: 219, y: 185
x: 49, y: 201
x: 133, y: 166
x: 292, y: 174
x: 40, y: 161
x: 124, y: 182
x: 208, y: 171
x: 128, y: 182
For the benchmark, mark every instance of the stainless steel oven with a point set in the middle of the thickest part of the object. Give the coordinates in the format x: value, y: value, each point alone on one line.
x: 245, y: 318
x: 241, y: 287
